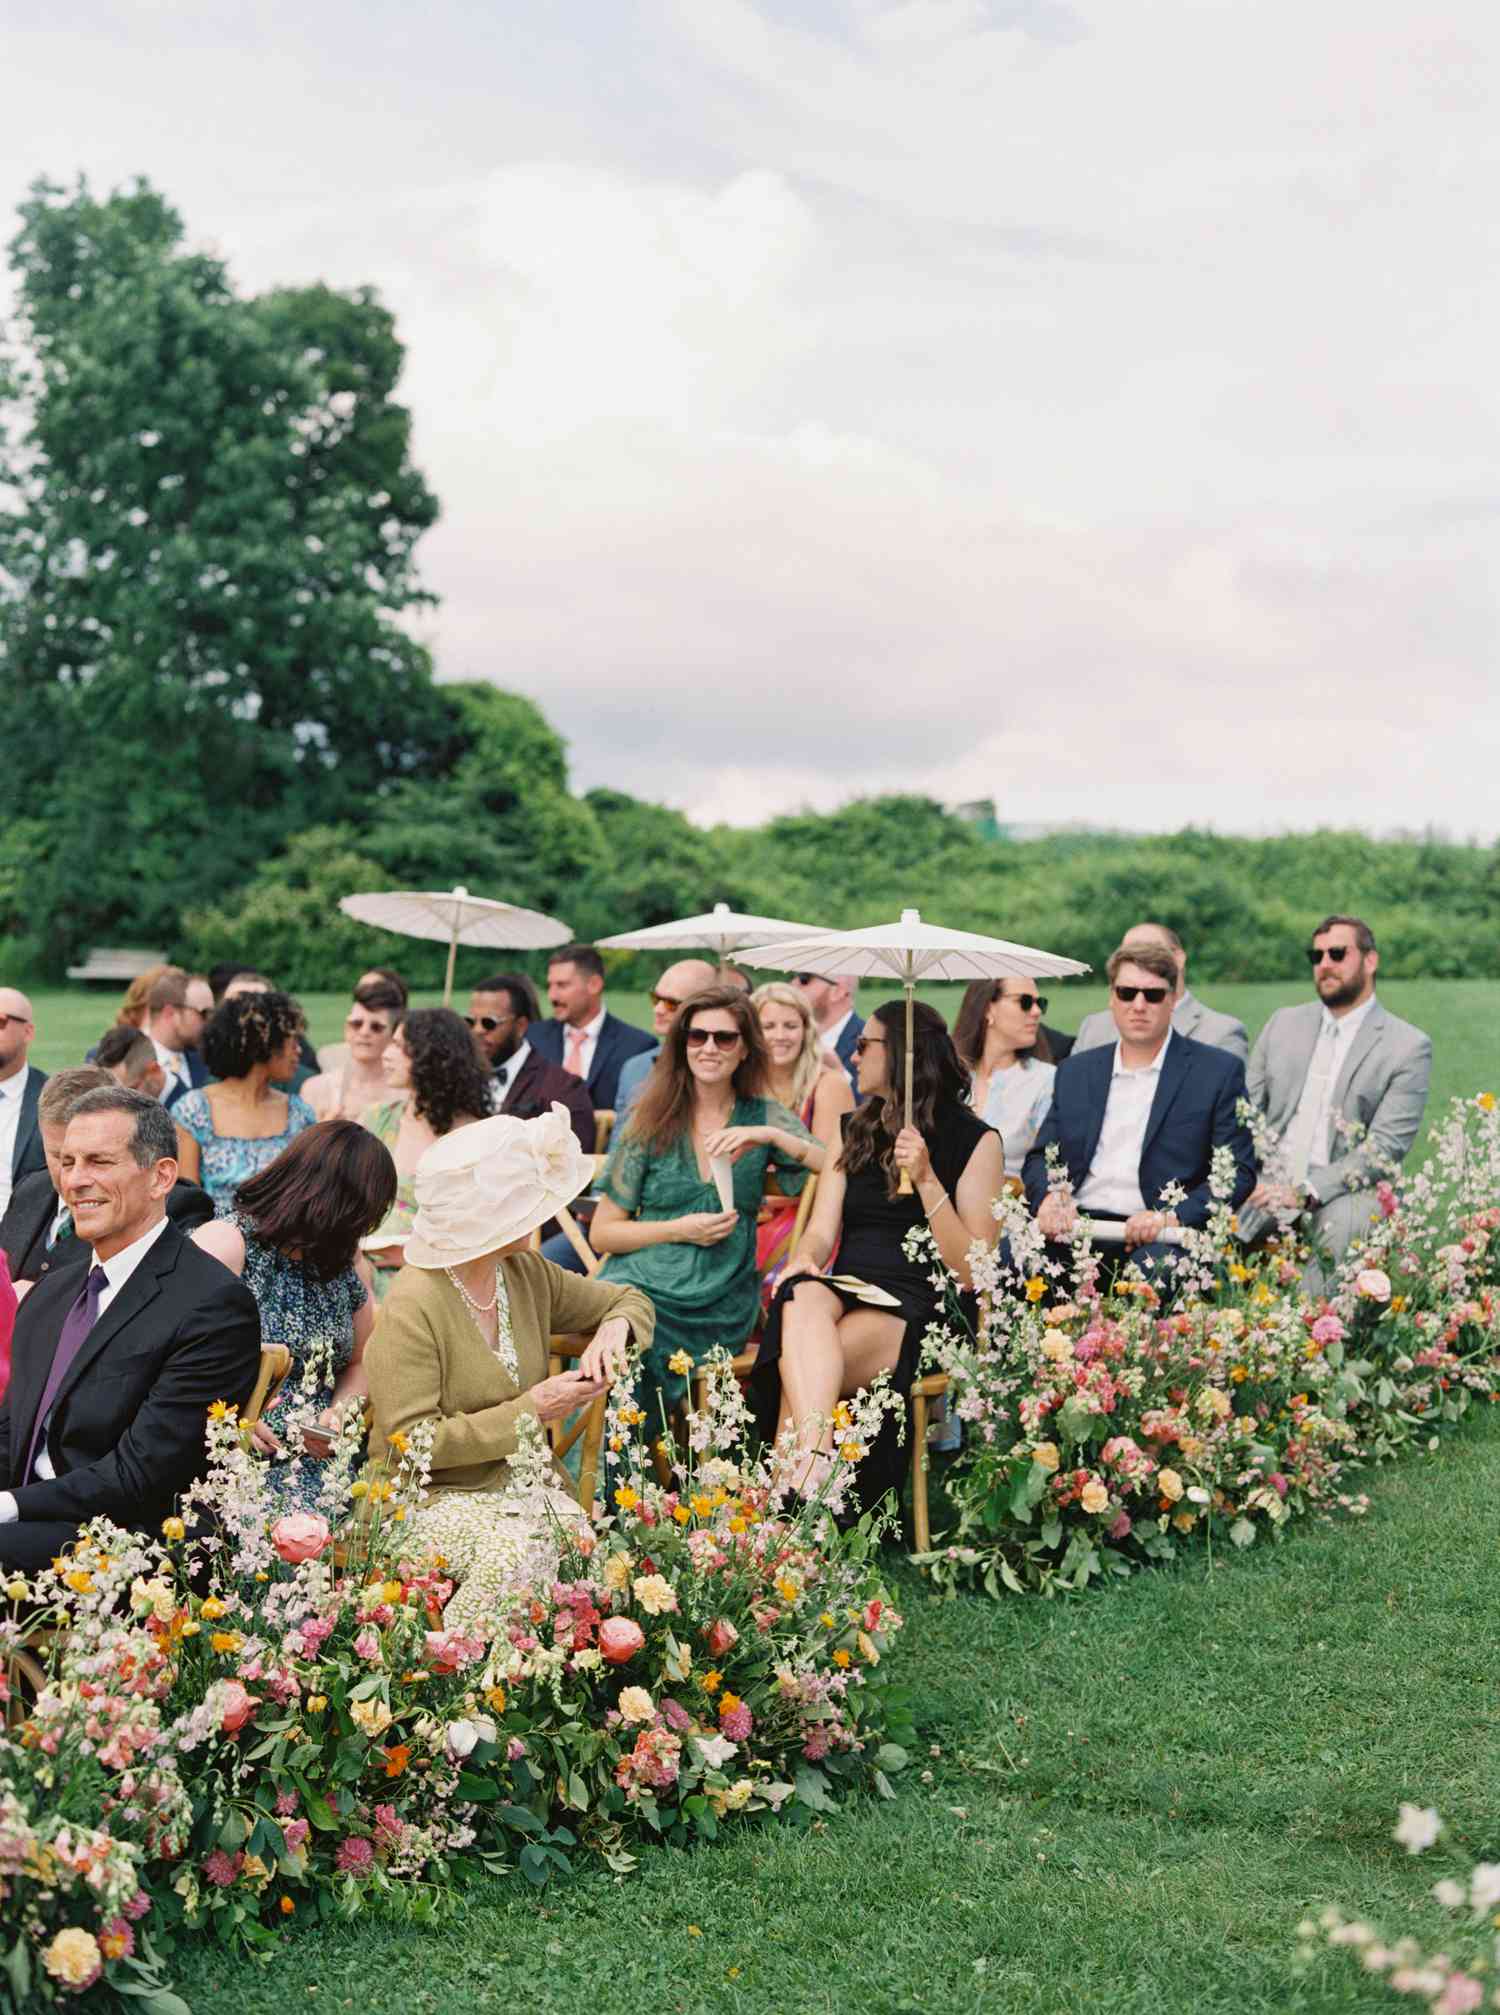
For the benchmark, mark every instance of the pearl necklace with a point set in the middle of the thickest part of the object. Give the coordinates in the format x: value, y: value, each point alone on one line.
x: 475, y: 1307
x: 504, y: 1345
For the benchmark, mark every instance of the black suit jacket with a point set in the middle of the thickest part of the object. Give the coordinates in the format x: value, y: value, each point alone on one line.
x: 617, y: 1040
x: 199, y: 1073
x: 126, y: 1435
x: 33, y: 1204
x: 27, y: 1156
x: 1193, y: 1112
x: 538, y: 1085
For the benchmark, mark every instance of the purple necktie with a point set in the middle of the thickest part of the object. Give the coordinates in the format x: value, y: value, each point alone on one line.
x: 80, y: 1319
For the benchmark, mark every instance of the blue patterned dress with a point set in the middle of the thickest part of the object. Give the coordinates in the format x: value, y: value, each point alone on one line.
x: 230, y: 1159
x: 315, y: 1320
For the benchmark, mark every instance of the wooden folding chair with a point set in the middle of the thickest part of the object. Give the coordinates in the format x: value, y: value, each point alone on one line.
x: 933, y: 1386
x: 587, y: 1426
x: 743, y: 1362
x: 275, y: 1363
x: 604, y: 1126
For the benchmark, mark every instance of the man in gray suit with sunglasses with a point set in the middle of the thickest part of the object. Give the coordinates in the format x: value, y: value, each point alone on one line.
x: 1344, y: 1085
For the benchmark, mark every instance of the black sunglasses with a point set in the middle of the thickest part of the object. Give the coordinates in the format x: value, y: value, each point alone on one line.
x: 1025, y: 1002
x: 1156, y: 995
x: 804, y: 979
x: 866, y: 1041
x: 488, y: 1022
x: 721, y: 1038
x: 1335, y: 954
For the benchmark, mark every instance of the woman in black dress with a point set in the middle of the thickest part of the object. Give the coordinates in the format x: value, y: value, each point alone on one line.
x: 824, y: 1342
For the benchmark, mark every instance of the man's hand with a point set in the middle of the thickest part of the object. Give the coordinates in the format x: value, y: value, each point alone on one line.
x: 1146, y: 1227
x: 1056, y: 1214
x: 1282, y: 1197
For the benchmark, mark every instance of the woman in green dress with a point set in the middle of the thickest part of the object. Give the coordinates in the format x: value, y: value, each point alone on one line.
x: 660, y: 1221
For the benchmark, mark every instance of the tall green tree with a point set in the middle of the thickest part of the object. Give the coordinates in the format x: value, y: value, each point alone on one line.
x: 204, y: 570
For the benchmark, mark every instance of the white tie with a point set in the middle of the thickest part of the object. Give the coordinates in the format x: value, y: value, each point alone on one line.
x: 1307, y: 1136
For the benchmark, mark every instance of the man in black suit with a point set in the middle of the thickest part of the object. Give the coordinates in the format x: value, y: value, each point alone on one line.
x: 20, y: 1087
x: 1136, y: 1116
x: 115, y: 1361
x: 585, y: 1038
x: 502, y: 1012
x: 839, y: 1027
x: 36, y: 1231
x: 176, y: 1009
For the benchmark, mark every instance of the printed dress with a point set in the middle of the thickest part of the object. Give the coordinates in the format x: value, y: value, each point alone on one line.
x: 230, y: 1159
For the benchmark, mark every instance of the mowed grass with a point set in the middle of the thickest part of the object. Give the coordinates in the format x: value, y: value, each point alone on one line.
x: 1461, y: 1016
x: 1136, y: 1794
x: 1134, y: 1798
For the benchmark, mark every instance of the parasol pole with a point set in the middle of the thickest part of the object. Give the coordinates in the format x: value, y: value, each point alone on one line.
x: 460, y: 895
x: 904, y: 1187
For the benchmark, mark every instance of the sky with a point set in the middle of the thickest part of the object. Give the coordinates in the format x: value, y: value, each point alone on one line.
x: 1085, y: 404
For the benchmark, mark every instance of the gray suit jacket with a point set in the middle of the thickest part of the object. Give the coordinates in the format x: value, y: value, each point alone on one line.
x: 1382, y: 1089
x: 1190, y: 1018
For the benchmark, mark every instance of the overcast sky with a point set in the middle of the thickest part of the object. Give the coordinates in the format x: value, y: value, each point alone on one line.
x: 1085, y: 403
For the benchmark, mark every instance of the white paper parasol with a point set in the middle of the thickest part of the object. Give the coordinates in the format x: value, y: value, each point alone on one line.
x: 909, y: 951
x: 454, y: 917
x: 721, y: 930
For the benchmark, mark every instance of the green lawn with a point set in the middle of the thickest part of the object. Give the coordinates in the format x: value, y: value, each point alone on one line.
x: 1138, y: 1796
x: 1462, y: 1016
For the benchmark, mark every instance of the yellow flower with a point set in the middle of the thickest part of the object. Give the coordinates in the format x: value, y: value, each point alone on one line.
x: 17, y: 1590
x: 1036, y: 1287
x: 1262, y: 1295
x: 1045, y: 1455
x: 373, y: 1716
x: 728, y: 1704
x: 1486, y: 1101
x: 1170, y: 1484
x: 627, y: 1498
x: 73, y: 1956
x: 1185, y: 1520
x: 219, y: 1410
x: 1094, y: 1496
x: 1398, y: 1304
x: 398, y: 1513
x: 398, y: 1441
x: 80, y: 1580
x: 788, y: 1589
x: 617, y: 1571
x: 191, y: 1629
x: 1239, y: 1271
x: 494, y: 1700
x: 636, y: 1705
x: 702, y: 1505
x: 738, y: 1525
x: 359, y: 1489
x: 654, y: 1594
x: 1238, y: 1375
x: 212, y: 1609
x: 852, y: 1451
x: 711, y: 1681
x: 680, y: 1362
x: 828, y: 1619
x: 173, y: 1528
x: 226, y: 1640
x: 391, y: 1591
x: 681, y: 1514
x: 316, y: 1702
x: 841, y: 1658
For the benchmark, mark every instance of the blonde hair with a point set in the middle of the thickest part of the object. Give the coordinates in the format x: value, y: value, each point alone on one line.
x: 808, y: 1066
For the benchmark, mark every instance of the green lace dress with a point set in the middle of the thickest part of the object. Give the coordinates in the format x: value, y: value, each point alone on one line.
x: 705, y: 1295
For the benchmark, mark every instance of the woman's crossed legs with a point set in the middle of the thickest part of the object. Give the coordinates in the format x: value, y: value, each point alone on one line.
x: 828, y: 1353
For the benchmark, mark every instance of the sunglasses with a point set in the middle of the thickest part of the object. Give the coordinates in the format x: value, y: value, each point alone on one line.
x: 7, y: 1019
x: 721, y: 1038
x: 1156, y: 995
x: 357, y: 1027
x: 867, y: 1042
x: 488, y: 1022
x: 804, y: 979
x: 665, y: 1000
x: 1025, y: 1002
x: 1335, y: 954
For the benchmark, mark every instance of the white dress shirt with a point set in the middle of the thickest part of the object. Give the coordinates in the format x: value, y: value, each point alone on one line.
x: 1113, y: 1182
x: 507, y: 1072
x: 117, y: 1270
x: 1018, y: 1101
x: 829, y: 1037
x: 12, y: 1091
x: 590, y: 1044
x: 1307, y: 1142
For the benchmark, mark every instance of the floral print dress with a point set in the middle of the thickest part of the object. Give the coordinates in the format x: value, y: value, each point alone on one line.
x: 227, y: 1160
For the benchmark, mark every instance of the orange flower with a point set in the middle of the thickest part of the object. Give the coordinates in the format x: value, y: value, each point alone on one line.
x: 287, y: 1906
x: 711, y: 1681
x: 841, y: 1659
x: 396, y: 1758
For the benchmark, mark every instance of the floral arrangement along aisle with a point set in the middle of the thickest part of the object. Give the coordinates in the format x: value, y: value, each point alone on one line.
x: 1102, y: 1430
x: 274, y: 1724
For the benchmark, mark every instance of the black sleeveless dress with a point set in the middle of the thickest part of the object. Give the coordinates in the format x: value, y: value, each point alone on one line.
x: 870, y: 1249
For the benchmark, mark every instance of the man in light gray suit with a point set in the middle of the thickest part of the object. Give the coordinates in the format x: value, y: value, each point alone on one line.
x: 1190, y: 1017
x: 1344, y: 1085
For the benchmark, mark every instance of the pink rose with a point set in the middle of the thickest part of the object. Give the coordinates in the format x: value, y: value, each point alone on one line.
x: 1120, y: 1529
x: 1373, y: 1284
x: 620, y: 1638
x: 722, y: 1636
x: 235, y: 1707
x: 299, y: 1536
x: 1328, y: 1329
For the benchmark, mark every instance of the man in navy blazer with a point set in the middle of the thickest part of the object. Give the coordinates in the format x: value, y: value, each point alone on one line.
x: 177, y: 1008
x: 839, y: 1027
x: 1135, y: 1116
x: 20, y: 1088
x: 585, y: 1038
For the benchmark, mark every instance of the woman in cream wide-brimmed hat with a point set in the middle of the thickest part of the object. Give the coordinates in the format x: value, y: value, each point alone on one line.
x: 463, y: 1338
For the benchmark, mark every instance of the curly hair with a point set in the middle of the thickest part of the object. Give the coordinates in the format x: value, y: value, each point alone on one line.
x: 323, y: 1193
x: 938, y: 1080
x: 664, y: 1111
x: 449, y: 1079
x: 249, y: 1029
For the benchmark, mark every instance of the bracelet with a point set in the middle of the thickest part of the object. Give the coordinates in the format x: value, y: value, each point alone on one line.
x: 931, y: 1214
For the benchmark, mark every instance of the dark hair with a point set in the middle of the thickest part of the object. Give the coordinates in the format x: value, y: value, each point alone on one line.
x: 1155, y: 959
x: 58, y: 1099
x: 449, y: 1079
x: 249, y: 1029
x: 328, y: 1189
x: 968, y: 1028
x: 1364, y: 937
x: 584, y: 957
x: 938, y: 1080
x: 153, y: 1138
x: 119, y: 1044
x: 663, y: 1112
x: 220, y: 975
x: 517, y: 989
x: 381, y: 994
x: 392, y: 978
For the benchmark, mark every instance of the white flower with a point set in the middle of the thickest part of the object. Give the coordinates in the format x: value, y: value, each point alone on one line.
x: 1449, y: 1893
x: 715, y: 1750
x: 1417, y: 1828
x: 1484, y: 1886
x: 654, y: 1594
x: 461, y: 1737
x: 636, y: 1705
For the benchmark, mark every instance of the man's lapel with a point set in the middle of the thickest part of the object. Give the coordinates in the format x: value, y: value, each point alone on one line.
x: 27, y: 1124
x: 1301, y: 1040
x: 44, y: 1310
x: 604, y: 1050
x: 142, y: 1288
x: 1187, y: 1015
x: 1173, y: 1075
x: 1369, y: 1034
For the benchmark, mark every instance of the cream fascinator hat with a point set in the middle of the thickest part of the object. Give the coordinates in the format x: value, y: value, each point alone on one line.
x: 486, y: 1185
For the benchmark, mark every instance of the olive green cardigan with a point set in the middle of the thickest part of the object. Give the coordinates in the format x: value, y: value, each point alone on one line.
x: 427, y: 1361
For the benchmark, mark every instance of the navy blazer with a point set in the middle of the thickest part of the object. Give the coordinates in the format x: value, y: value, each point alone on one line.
x: 27, y: 1156
x: 1195, y: 1110
x: 617, y: 1040
x: 843, y: 1049
x: 199, y: 1074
